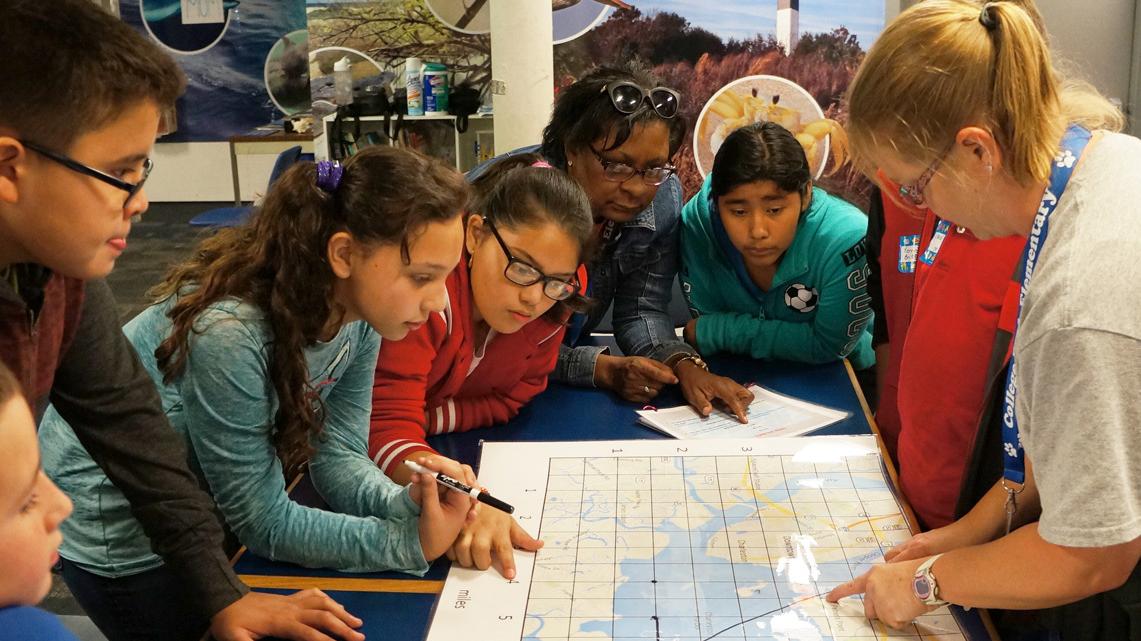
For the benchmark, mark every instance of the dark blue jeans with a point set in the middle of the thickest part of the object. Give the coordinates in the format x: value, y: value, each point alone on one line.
x: 143, y: 607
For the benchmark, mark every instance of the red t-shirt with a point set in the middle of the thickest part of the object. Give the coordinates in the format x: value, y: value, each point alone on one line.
x: 897, y: 260
x: 957, y: 303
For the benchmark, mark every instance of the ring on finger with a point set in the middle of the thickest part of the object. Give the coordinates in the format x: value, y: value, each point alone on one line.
x: 646, y: 389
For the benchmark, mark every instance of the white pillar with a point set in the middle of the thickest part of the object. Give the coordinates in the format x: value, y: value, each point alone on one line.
x: 522, y: 71
x: 788, y: 24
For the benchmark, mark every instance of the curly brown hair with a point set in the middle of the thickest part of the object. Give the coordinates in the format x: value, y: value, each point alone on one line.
x: 279, y: 263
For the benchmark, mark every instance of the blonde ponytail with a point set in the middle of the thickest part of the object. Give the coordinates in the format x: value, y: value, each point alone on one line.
x: 946, y: 64
x: 1084, y: 105
x: 1024, y: 108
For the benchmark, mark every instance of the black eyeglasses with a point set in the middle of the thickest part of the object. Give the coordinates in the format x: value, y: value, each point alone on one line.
x: 130, y: 188
x: 627, y: 97
x: 619, y: 172
x: 525, y: 274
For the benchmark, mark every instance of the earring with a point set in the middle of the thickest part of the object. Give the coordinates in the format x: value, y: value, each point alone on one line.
x: 570, y: 163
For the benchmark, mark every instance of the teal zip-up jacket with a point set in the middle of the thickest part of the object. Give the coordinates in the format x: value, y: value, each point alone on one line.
x: 817, y: 309
x: 223, y: 405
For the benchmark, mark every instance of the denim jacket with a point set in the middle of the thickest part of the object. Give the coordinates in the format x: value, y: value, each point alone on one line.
x: 634, y: 271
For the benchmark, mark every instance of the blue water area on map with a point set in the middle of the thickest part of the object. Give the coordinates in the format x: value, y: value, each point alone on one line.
x: 684, y: 591
x: 689, y: 588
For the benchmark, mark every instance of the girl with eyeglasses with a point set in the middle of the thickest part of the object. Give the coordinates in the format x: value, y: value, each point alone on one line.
x: 959, y: 107
x: 263, y: 346
x: 490, y: 350
x: 615, y: 131
x: 773, y: 266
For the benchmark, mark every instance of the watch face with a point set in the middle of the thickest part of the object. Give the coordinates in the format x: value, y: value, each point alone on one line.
x: 921, y: 587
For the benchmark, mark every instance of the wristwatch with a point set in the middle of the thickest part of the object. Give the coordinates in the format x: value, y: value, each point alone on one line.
x: 924, y: 585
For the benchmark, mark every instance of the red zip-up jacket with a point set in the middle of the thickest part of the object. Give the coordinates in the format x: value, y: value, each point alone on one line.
x: 34, y: 338
x: 423, y: 385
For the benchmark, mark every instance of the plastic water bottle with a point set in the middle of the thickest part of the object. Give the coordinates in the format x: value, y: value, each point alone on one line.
x: 413, y: 83
x: 343, y: 81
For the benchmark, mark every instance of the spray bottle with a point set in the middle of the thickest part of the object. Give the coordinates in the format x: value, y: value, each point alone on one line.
x: 414, y: 84
x: 343, y: 81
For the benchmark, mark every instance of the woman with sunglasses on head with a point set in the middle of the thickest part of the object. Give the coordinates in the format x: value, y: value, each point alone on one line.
x: 615, y: 131
x: 774, y: 267
x: 490, y: 350
x: 958, y: 105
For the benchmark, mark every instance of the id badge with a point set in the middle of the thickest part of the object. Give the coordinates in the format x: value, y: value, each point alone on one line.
x: 908, y: 253
x: 928, y: 257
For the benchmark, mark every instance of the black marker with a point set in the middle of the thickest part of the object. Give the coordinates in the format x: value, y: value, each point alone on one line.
x: 452, y: 484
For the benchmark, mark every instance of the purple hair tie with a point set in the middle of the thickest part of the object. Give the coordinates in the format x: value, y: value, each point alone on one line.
x: 542, y: 163
x: 329, y: 174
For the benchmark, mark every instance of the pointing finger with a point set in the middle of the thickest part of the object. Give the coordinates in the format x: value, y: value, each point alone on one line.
x: 856, y: 586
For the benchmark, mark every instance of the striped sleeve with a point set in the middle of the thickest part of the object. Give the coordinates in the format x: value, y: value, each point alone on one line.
x: 399, y: 422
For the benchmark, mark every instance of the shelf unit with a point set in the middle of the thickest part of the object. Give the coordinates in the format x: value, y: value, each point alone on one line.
x: 428, y: 133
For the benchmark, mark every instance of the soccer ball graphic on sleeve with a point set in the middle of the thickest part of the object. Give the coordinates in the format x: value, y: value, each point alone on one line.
x: 801, y: 298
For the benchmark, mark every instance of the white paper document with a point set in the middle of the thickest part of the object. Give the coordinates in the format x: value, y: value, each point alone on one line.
x: 704, y: 540
x: 203, y: 12
x: 770, y: 414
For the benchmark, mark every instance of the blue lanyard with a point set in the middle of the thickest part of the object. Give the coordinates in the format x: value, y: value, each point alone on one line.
x: 1073, y: 144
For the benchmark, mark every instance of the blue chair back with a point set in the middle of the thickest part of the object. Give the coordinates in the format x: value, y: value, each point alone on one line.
x: 233, y: 216
x: 285, y: 160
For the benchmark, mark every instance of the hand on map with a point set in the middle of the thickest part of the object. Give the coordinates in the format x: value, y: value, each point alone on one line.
x: 702, y: 388
x: 304, y: 615
x: 634, y: 378
x: 887, y: 591
x: 442, y: 511
x: 921, y: 546
x: 493, y: 532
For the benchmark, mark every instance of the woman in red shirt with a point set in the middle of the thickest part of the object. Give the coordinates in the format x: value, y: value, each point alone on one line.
x: 490, y: 351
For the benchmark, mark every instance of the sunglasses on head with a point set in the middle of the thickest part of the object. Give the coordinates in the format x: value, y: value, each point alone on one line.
x: 628, y: 97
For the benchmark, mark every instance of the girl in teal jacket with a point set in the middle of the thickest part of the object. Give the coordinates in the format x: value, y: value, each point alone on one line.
x: 773, y: 267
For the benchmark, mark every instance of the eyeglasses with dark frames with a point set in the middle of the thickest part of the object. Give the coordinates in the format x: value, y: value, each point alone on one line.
x: 525, y: 274
x: 627, y: 97
x: 76, y: 166
x: 619, y: 172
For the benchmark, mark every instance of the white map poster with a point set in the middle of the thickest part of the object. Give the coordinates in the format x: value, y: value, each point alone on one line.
x: 685, y: 540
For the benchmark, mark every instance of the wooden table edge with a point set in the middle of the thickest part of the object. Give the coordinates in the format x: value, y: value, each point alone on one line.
x: 889, y: 465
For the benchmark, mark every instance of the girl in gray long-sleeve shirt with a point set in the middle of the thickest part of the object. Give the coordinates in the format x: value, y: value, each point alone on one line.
x: 263, y: 347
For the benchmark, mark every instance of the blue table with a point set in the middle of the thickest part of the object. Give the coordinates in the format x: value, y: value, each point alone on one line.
x: 565, y: 413
x: 397, y: 607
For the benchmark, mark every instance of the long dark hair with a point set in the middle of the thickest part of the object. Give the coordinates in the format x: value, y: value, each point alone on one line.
x: 513, y: 193
x: 279, y: 263
x: 583, y: 113
x: 758, y: 152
